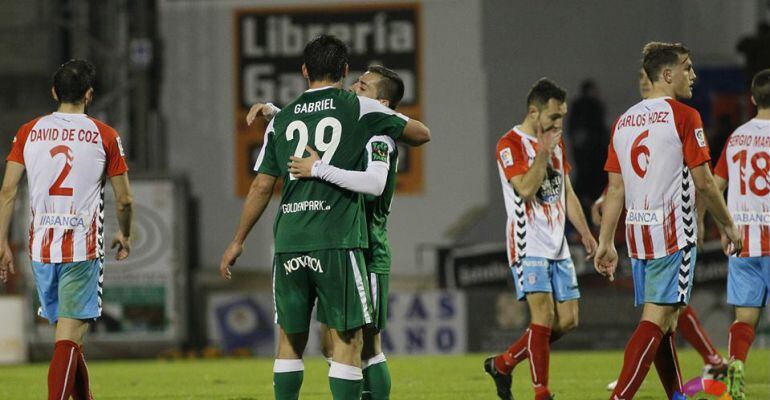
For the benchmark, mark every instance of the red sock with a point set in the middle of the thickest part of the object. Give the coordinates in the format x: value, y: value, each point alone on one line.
x: 741, y: 336
x: 539, y: 349
x: 61, y: 372
x: 640, y: 353
x: 667, y: 365
x: 506, y: 362
x: 82, y: 389
x: 690, y: 328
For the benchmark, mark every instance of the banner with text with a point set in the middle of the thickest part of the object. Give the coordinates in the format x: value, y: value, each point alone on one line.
x: 268, y: 58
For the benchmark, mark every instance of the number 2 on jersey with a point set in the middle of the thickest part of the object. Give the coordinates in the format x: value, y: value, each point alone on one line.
x: 758, y: 172
x: 328, y: 148
x: 56, y: 189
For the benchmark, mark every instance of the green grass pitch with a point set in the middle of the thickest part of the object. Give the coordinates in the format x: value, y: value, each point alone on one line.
x: 574, y: 376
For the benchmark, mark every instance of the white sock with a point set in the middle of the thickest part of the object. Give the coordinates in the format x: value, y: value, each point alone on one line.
x: 284, y: 365
x: 328, y: 360
x: 379, y: 358
x: 346, y: 372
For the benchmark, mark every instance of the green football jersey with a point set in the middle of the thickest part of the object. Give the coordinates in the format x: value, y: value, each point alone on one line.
x: 378, y: 258
x: 316, y: 215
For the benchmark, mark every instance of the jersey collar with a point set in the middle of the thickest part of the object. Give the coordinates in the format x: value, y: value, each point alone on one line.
x: 319, y: 89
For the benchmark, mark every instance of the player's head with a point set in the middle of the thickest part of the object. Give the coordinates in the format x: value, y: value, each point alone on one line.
x: 645, y: 86
x: 325, y: 58
x: 381, y: 84
x: 73, y: 82
x: 669, y: 65
x: 546, y: 105
x: 760, y: 89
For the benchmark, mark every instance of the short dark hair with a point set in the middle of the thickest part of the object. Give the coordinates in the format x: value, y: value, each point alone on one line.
x: 73, y: 79
x: 325, y: 58
x: 656, y: 55
x: 760, y: 88
x: 390, y: 87
x: 542, y: 91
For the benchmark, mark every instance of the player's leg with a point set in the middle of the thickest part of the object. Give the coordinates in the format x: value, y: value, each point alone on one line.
x: 343, y: 293
x: 689, y: 326
x: 288, y: 367
x: 326, y: 340
x: 79, y: 303
x: 294, y: 297
x: 748, y: 280
x: 566, y: 294
x: 656, y: 285
x: 345, y: 375
x: 377, y: 381
x: 531, y: 277
x: 541, y: 310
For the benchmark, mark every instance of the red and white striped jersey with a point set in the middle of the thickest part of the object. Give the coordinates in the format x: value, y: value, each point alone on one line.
x: 745, y: 164
x: 66, y: 157
x: 654, y: 145
x: 534, y: 228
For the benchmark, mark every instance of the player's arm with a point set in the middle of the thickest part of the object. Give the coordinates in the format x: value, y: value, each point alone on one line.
x: 527, y: 184
x: 265, y: 110
x: 714, y: 203
x: 123, y: 205
x: 415, y: 133
x: 578, y: 219
x: 260, y: 192
x: 711, y: 198
x: 371, y: 181
x: 700, y: 207
x: 596, y: 209
x: 13, y: 174
x: 606, y: 260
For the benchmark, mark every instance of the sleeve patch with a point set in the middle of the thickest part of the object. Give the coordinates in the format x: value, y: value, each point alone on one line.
x: 700, y: 137
x: 380, y: 151
x: 506, y: 157
x: 120, y: 146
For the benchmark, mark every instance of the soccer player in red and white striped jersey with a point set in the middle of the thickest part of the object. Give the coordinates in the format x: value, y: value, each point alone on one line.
x: 539, y: 198
x: 68, y: 156
x: 688, y: 323
x: 657, y: 157
x: 744, y: 169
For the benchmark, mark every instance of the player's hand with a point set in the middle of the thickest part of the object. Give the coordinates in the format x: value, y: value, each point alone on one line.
x: 589, y: 243
x: 606, y: 260
x: 547, y: 140
x: 260, y: 110
x: 732, y: 241
x: 303, y: 167
x: 123, y: 245
x: 6, y: 262
x: 596, y: 211
x: 232, y: 253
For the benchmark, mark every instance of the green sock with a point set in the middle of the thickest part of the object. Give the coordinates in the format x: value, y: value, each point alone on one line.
x: 343, y: 389
x: 377, y: 381
x: 345, y: 381
x: 287, y: 379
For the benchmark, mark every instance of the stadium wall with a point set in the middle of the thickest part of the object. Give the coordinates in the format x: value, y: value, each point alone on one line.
x: 198, y: 106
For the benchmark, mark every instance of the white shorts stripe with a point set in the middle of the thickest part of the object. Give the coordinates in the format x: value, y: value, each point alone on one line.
x: 275, y: 304
x: 373, y: 288
x: 360, y: 287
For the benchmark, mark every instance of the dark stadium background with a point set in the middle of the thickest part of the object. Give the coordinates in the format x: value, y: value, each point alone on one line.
x: 173, y: 80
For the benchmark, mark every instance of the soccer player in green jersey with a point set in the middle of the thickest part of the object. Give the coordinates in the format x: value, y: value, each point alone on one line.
x: 378, y: 183
x: 320, y: 230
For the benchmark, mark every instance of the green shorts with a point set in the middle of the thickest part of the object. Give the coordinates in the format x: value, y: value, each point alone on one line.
x: 336, y: 277
x: 378, y: 284
x: 378, y: 287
